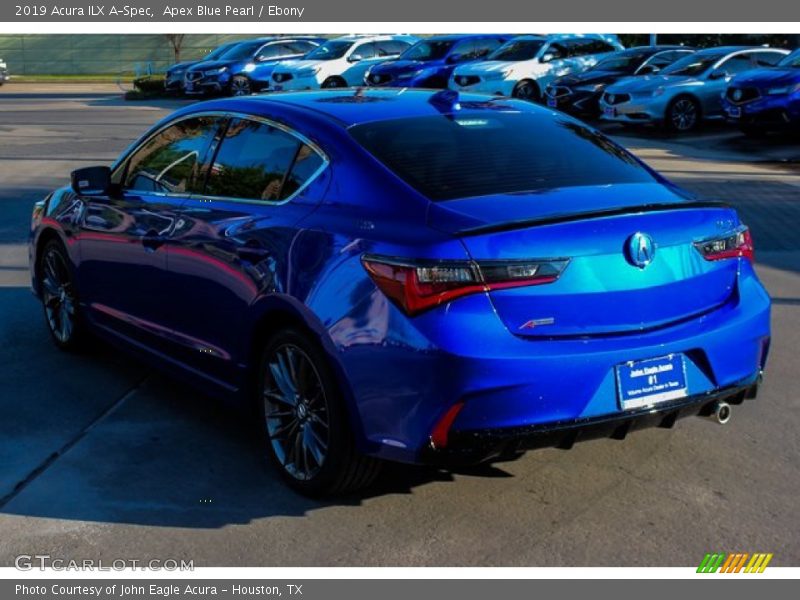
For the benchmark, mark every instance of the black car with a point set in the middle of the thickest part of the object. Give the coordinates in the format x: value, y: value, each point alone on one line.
x: 174, y: 77
x: 579, y: 93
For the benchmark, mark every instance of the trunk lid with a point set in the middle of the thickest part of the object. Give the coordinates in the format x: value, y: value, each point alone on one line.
x: 602, y: 291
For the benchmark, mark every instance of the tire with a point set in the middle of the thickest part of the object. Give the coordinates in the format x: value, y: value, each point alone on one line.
x: 683, y: 114
x: 527, y: 90
x: 304, y: 421
x: 240, y: 86
x: 334, y: 82
x: 59, y: 298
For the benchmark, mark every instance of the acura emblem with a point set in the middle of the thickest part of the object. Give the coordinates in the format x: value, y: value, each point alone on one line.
x: 611, y: 98
x: 641, y: 249
x: 737, y: 94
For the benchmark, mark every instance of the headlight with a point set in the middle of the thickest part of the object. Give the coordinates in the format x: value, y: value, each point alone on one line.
x: 215, y: 71
x: 591, y: 88
x: 786, y: 89
x: 658, y: 91
x: 249, y: 68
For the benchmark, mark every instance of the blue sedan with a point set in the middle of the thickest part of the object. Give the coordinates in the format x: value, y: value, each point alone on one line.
x: 406, y: 275
x: 766, y: 99
x: 430, y: 62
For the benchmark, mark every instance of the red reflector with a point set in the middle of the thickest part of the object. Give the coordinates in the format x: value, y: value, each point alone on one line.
x: 442, y: 428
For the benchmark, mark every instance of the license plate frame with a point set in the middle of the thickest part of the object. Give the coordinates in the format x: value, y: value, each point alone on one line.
x: 552, y: 103
x: 651, y: 381
x: 610, y: 111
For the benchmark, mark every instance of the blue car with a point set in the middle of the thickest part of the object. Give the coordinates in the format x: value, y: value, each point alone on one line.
x: 766, y: 99
x: 430, y: 62
x: 229, y: 73
x: 176, y: 74
x: 255, y: 76
x: 406, y: 275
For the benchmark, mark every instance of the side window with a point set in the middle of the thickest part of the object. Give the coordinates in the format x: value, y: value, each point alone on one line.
x: 169, y: 162
x: 306, y: 164
x: 301, y: 47
x: 737, y: 63
x: 251, y: 162
x: 557, y: 51
x: 270, y: 52
x: 365, y: 51
x: 391, y: 48
x: 484, y: 47
x: 767, y: 59
x: 662, y: 59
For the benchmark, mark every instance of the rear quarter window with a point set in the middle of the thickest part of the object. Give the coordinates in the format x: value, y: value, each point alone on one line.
x: 491, y: 152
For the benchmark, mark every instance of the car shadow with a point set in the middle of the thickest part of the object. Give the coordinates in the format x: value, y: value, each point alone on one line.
x: 100, y: 437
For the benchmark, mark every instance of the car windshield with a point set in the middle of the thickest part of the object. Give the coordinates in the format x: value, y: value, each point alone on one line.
x: 623, y: 62
x: 517, y: 50
x: 330, y: 51
x: 694, y: 64
x: 241, y: 51
x: 487, y: 152
x: 218, y: 52
x: 425, y: 51
x: 792, y: 61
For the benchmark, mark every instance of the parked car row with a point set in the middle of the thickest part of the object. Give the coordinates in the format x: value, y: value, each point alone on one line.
x: 4, y: 76
x: 587, y: 75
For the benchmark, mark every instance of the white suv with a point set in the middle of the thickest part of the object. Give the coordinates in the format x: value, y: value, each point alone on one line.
x: 523, y: 66
x: 4, y: 76
x: 341, y: 62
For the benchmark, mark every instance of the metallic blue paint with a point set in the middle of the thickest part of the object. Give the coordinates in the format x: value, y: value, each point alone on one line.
x: 197, y: 302
x: 767, y: 98
x: 433, y: 73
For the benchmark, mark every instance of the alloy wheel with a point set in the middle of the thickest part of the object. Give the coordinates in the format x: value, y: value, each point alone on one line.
x: 683, y: 115
x: 58, y: 295
x: 526, y: 91
x: 296, y: 412
x: 240, y: 86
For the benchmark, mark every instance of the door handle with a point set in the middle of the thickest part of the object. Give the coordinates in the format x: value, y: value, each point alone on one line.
x: 152, y: 240
x: 252, y: 252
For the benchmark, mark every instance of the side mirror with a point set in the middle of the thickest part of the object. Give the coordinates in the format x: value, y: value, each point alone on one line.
x: 548, y: 57
x: 649, y: 70
x: 355, y: 57
x: 91, y: 181
x: 718, y: 74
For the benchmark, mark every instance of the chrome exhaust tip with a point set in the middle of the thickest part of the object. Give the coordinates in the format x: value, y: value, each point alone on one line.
x: 721, y: 412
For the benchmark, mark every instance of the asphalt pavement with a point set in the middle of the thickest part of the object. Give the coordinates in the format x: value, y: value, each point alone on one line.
x: 103, y: 458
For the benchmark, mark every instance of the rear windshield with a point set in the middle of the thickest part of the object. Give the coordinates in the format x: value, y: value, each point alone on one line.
x: 478, y: 154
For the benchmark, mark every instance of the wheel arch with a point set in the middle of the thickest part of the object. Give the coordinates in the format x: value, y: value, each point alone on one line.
x: 275, y: 313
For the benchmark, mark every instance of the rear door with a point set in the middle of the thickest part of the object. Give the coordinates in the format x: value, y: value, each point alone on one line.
x: 234, y: 240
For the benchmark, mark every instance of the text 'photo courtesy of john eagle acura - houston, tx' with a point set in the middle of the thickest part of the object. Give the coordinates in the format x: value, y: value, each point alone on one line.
x: 417, y: 275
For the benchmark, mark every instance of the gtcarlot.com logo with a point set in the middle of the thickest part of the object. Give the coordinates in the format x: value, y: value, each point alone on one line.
x: 739, y: 562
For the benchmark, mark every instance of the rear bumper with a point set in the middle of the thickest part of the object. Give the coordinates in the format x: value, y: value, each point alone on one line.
x: 476, y: 446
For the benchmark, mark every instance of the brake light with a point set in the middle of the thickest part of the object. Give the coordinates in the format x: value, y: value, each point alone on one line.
x: 738, y: 243
x: 416, y: 286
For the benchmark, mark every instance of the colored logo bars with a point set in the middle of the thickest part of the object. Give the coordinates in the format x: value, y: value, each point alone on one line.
x: 734, y: 563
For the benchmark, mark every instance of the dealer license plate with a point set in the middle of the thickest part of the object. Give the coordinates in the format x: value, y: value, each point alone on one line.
x: 642, y: 383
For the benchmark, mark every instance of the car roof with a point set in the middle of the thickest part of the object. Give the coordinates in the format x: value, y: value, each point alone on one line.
x: 464, y: 36
x: 347, y: 108
x: 368, y: 38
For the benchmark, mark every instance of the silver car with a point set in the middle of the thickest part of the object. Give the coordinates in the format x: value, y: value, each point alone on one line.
x: 686, y: 92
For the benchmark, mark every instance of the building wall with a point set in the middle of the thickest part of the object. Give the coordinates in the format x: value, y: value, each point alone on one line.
x: 96, y: 54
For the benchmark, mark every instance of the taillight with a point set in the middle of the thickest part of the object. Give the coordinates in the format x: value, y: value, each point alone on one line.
x: 734, y: 244
x: 416, y: 286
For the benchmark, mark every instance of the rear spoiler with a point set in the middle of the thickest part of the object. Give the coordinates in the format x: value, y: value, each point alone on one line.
x: 594, y: 214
